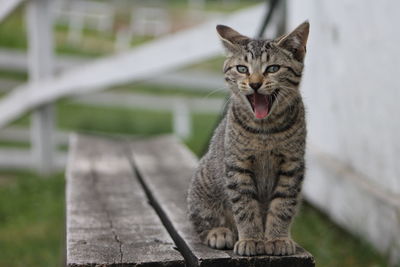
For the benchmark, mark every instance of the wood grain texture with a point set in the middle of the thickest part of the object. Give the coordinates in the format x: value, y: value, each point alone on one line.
x: 165, y: 167
x: 109, y: 220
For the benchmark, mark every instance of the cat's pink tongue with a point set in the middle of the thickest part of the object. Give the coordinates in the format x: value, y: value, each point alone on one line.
x: 261, y: 105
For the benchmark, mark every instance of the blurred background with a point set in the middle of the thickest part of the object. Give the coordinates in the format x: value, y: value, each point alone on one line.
x: 142, y: 68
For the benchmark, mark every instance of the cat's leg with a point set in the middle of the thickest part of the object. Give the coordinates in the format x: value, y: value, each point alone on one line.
x: 242, y: 193
x: 209, y: 215
x: 283, y: 206
x: 211, y: 224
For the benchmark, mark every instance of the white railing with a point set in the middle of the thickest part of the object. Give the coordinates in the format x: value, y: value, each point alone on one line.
x: 7, y: 6
x: 161, y: 56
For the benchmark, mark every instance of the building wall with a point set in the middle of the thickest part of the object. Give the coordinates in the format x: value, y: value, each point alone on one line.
x: 351, y: 87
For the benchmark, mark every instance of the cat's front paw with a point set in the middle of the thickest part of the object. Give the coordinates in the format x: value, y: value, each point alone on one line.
x: 280, y: 246
x: 220, y: 238
x: 249, y: 247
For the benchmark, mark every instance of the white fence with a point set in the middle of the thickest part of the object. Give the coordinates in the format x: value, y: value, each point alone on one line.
x: 189, y: 79
x: 180, y: 107
x: 160, y: 56
x: 7, y: 6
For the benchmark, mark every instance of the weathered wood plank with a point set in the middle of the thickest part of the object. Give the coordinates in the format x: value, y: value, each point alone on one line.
x: 165, y: 167
x: 109, y: 220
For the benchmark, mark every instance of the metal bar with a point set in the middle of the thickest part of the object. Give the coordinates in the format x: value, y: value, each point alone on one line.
x: 271, y: 7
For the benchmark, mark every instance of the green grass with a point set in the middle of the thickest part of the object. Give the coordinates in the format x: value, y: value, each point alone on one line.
x: 331, y: 245
x: 14, y: 144
x: 14, y: 75
x: 112, y: 120
x: 132, y: 121
x: 170, y: 91
x: 13, y: 30
x: 31, y: 219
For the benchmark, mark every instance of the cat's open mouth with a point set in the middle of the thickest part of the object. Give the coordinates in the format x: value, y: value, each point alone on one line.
x: 262, y: 104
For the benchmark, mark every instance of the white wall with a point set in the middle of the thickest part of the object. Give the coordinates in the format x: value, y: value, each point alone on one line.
x: 351, y: 87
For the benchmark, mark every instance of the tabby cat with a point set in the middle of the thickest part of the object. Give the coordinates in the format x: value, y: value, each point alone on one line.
x: 245, y: 191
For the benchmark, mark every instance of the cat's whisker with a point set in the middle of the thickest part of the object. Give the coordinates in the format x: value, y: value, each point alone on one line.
x: 284, y: 96
x: 226, y: 102
x: 286, y: 91
x: 215, y: 91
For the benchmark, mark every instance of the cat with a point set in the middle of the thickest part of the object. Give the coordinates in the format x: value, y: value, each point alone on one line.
x: 245, y: 191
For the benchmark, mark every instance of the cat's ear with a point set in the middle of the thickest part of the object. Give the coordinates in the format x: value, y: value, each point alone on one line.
x: 296, y: 41
x: 230, y: 38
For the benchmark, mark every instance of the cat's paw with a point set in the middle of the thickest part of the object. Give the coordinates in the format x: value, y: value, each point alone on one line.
x: 249, y: 247
x: 280, y: 246
x: 220, y: 238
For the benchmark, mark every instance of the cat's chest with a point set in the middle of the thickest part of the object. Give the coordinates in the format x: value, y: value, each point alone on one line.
x: 266, y: 168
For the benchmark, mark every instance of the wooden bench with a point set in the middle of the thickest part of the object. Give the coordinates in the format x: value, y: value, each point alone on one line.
x: 126, y: 206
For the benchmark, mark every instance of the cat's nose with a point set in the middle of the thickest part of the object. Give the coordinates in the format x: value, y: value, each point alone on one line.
x: 255, y: 86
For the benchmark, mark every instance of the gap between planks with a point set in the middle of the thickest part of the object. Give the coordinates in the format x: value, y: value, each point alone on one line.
x: 194, y: 253
x: 182, y: 247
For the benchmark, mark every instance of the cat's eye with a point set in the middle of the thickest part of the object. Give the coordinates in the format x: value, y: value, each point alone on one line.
x: 272, y: 68
x: 242, y: 69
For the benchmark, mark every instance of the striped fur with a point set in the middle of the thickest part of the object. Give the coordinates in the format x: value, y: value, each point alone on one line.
x: 245, y: 191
